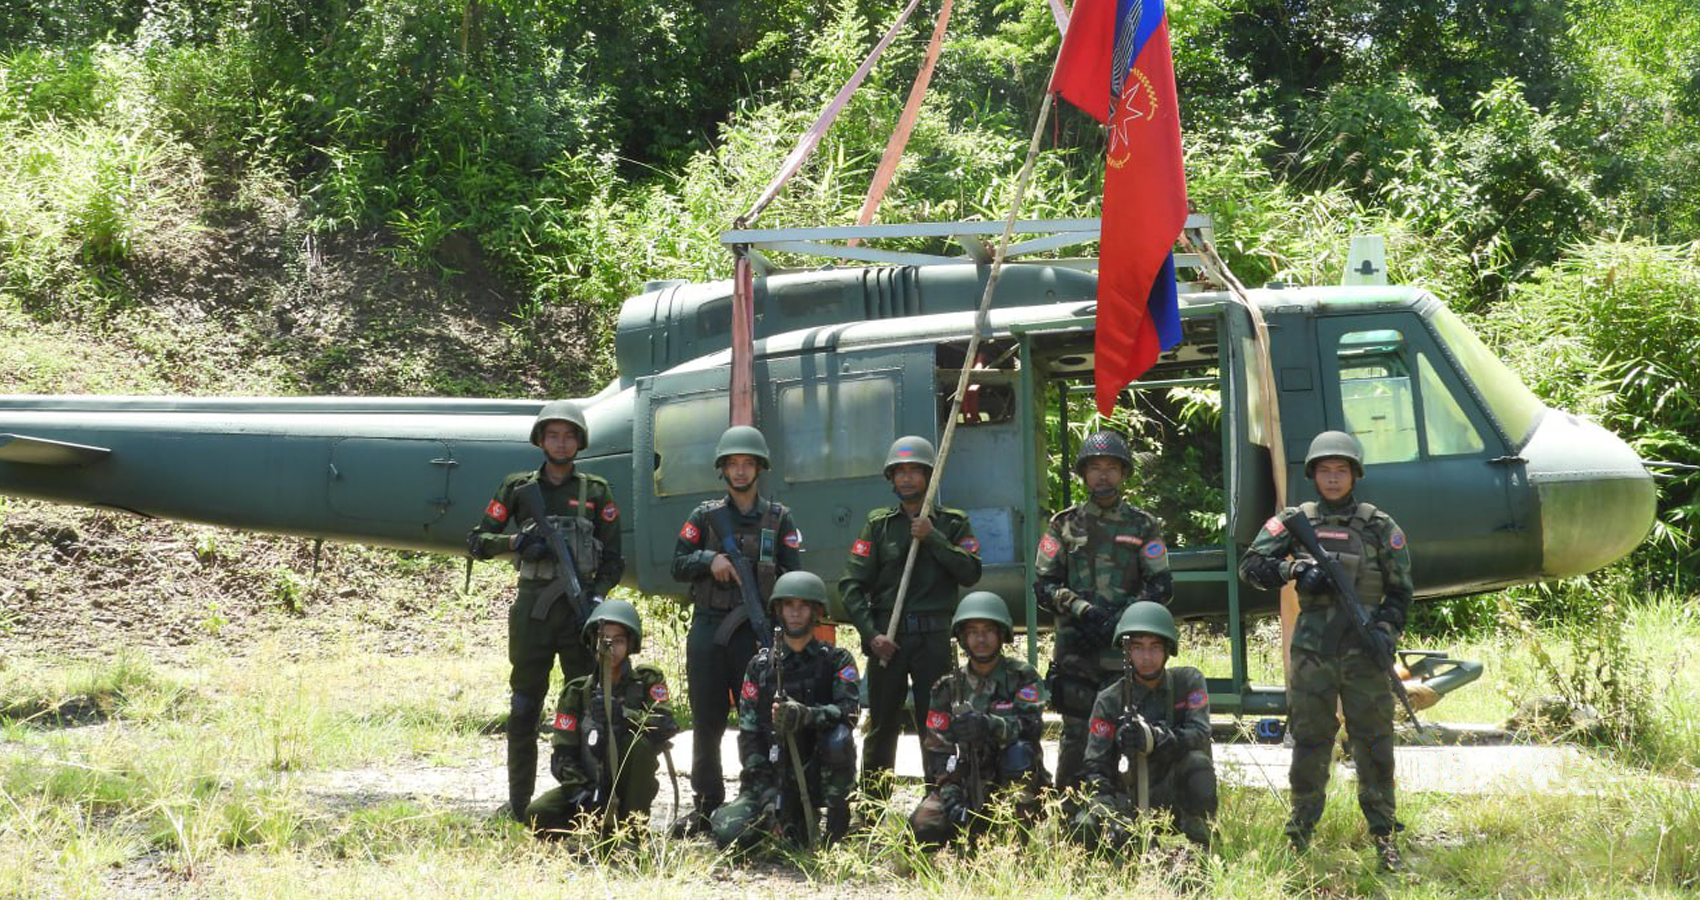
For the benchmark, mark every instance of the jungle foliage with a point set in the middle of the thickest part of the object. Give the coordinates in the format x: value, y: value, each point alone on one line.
x: 1536, y: 164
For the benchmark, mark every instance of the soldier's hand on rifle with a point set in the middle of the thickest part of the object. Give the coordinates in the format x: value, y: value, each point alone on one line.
x: 723, y: 570
x: 1385, y: 644
x: 1265, y: 573
x: 956, y: 811
x: 1162, y: 739
x: 920, y: 527
x: 1312, y: 578
x: 969, y: 726
x: 790, y: 717
x: 883, y: 647
x: 1133, y: 735
x: 1096, y: 621
x: 530, y: 545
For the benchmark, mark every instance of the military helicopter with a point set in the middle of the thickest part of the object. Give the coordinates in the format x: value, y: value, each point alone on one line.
x: 1492, y: 487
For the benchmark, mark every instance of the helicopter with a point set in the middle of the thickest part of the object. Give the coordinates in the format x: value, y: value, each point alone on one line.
x: 1492, y: 487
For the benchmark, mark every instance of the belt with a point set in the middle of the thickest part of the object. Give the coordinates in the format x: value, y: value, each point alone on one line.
x: 921, y: 623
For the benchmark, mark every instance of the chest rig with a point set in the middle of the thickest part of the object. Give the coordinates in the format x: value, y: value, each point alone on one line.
x: 1342, y: 536
x: 578, y: 529
x: 808, y: 675
x: 755, y: 540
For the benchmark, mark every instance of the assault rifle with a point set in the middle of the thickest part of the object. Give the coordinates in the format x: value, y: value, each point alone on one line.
x: 747, y: 586
x: 566, y: 583
x: 1138, y: 765
x: 1299, y: 524
x: 976, y: 779
x: 791, y: 740
x: 610, y: 810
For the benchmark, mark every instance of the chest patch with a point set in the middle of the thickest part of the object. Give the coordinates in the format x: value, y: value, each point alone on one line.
x: 1002, y: 706
x: 658, y: 693
x: 496, y: 511
x: 1028, y: 694
x: 1128, y: 540
x: 1330, y: 534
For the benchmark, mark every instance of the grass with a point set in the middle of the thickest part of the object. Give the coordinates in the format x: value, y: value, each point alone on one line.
x: 195, y: 779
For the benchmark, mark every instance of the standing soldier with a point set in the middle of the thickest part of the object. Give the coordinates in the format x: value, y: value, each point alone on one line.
x: 1096, y: 558
x: 1331, y: 668
x: 810, y: 719
x: 983, y: 726
x: 642, y: 726
x: 1155, y: 717
x: 949, y: 558
x: 740, y: 531
x: 579, y: 507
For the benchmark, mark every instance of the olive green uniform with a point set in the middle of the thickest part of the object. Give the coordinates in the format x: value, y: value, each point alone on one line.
x: 949, y: 559
x: 1093, y: 557
x: 644, y: 723
x: 1181, y: 774
x: 582, y: 508
x: 721, y: 641
x: 824, y: 679
x: 1330, y: 668
x: 964, y: 776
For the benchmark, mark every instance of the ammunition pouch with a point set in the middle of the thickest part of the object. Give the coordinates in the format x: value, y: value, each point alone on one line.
x: 580, y: 536
x: 1016, y: 761
x: 837, y: 748
x: 1071, y: 694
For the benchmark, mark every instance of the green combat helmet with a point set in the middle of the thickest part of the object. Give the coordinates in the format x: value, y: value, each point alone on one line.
x: 1335, y: 445
x: 1103, y: 443
x: 910, y: 449
x: 615, y: 611
x: 800, y: 585
x: 745, y: 439
x: 986, y: 606
x: 1146, y: 617
x: 560, y: 411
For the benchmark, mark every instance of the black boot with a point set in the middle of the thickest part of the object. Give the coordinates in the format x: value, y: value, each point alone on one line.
x: 522, y: 774
x: 1387, y: 853
x: 693, y: 824
x: 837, y: 822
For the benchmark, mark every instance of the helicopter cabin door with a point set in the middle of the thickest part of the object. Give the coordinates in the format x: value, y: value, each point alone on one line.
x: 1430, y: 451
x: 678, y: 419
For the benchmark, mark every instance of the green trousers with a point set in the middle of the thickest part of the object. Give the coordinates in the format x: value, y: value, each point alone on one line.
x: 925, y: 657
x: 1358, y: 688
x: 533, y: 648
x: 1185, y: 787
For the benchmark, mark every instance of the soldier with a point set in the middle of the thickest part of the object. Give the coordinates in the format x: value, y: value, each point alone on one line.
x: 983, y: 726
x: 949, y: 558
x: 811, y: 720
x: 1095, y: 559
x: 643, y: 726
x: 1330, y: 666
x: 722, y: 639
x: 1156, y: 717
x: 581, y: 508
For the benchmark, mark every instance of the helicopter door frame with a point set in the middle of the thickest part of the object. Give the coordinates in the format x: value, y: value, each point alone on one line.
x: 1428, y: 451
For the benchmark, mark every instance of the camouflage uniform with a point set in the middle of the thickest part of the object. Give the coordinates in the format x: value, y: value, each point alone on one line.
x: 1181, y: 775
x: 1013, y: 701
x: 949, y: 558
x: 1093, y: 557
x: 1330, y: 668
x: 583, y: 510
x: 823, y: 678
x: 721, y: 642
x: 643, y: 713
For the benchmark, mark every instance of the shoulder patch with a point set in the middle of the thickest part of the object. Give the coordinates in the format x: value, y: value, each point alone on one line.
x: 1103, y: 728
x: 861, y: 548
x: 969, y: 544
x: 794, y: 538
x: 1048, y: 546
x: 938, y: 721
x: 1397, y: 541
x: 690, y: 534
x: 1028, y: 694
x: 1197, y: 700
x: 749, y: 692
x: 848, y: 673
x: 565, y: 722
x: 658, y: 693
x: 610, y: 512
x: 496, y: 511
x: 1274, y: 526
x: 1155, y: 549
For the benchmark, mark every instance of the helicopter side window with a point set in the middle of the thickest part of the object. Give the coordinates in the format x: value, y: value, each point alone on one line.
x: 1376, y: 395
x: 686, y: 431
x: 1447, y: 428
x: 837, y: 429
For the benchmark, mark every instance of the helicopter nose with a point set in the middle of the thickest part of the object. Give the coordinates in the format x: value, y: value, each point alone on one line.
x: 1596, y: 500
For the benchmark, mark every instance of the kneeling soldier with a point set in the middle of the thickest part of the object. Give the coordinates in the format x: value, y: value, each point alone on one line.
x: 1158, y: 719
x: 982, y: 731
x: 796, y: 711
x: 595, y: 764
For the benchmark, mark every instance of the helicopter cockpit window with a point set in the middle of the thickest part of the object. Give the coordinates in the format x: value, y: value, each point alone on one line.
x: 1447, y: 428
x: 1512, y: 403
x: 837, y: 429
x: 686, y: 431
x: 1376, y: 395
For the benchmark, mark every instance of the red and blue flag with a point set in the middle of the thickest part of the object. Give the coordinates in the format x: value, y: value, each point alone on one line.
x: 1116, y: 67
